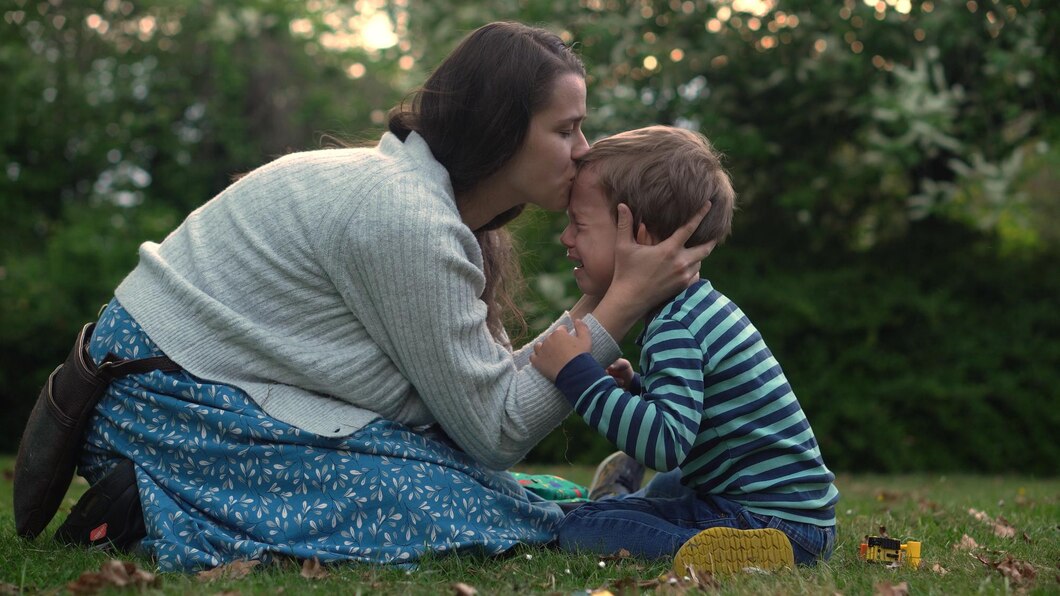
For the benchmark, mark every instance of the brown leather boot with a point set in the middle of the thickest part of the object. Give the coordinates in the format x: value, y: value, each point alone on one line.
x: 55, y: 431
x: 52, y: 439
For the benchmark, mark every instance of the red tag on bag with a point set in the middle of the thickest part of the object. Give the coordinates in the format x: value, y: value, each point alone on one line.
x: 99, y: 533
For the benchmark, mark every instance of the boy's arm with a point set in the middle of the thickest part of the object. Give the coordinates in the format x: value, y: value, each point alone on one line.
x: 659, y: 427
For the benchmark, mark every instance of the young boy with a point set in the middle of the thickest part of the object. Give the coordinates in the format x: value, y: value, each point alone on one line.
x: 713, y: 406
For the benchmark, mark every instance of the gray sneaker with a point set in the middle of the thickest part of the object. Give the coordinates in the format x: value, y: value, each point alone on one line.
x: 619, y: 474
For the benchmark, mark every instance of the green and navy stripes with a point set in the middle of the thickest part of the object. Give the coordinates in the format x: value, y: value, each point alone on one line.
x: 713, y: 401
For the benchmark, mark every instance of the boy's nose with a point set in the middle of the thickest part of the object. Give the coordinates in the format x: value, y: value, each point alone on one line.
x: 565, y: 238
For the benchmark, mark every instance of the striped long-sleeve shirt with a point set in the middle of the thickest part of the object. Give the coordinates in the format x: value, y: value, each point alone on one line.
x: 713, y: 401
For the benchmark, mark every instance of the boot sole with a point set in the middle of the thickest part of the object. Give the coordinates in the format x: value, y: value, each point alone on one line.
x: 728, y: 550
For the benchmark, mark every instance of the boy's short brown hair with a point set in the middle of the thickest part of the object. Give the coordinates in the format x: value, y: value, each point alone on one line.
x: 665, y: 174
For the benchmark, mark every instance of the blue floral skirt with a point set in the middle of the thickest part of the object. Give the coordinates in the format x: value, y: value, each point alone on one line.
x: 221, y: 480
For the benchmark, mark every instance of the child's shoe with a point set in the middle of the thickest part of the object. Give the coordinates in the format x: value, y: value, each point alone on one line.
x: 619, y: 474
x: 728, y: 550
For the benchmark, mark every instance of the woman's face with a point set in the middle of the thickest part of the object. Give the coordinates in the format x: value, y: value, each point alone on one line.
x: 542, y: 171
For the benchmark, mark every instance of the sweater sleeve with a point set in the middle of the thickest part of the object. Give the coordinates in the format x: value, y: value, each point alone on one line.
x: 412, y: 271
x: 522, y: 355
x: 659, y: 426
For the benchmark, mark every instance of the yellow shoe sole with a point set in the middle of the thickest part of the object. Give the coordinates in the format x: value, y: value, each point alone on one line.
x: 728, y: 550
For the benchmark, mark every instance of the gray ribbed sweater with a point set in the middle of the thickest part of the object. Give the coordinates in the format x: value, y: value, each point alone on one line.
x: 339, y: 286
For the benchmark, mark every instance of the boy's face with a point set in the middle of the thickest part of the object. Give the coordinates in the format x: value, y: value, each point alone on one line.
x: 590, y: 234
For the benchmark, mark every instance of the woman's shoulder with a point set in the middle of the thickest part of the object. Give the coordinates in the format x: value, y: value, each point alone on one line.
x: 383, y: 161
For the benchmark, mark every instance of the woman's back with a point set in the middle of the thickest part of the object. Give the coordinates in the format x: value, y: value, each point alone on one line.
x: 255, y: 287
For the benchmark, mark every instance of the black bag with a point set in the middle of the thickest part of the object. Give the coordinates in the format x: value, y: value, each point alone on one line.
x: 47, y: 454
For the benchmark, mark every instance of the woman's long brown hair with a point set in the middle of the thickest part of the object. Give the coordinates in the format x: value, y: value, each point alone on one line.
x: 474, y: 112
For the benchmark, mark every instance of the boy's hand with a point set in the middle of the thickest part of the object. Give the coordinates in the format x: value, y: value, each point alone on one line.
x: 622, y: 371
x: 559, y: 348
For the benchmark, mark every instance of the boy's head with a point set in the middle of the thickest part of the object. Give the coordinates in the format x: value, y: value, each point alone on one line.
x: 665, y: 175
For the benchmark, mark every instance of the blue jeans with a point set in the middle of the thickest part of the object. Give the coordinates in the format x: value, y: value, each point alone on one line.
x: 654, y: 522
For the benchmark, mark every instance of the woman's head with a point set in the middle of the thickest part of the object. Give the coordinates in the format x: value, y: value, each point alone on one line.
x: 475, y: 112
x: 475, y: 109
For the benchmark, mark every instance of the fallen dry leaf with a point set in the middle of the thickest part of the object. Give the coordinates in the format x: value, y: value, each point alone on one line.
x: 1018, y: 572
x: 927, y: 505
x: 626, y: 585
x: 1003, y: 529
x: 462, y: 589
x: 234, y: 570
x: 312, y: 569
x: 621, y: 554
x: 112, y: 573
x: 939, y: 569
x: 966, y: 543
x: 649, y: 584
x: 889, y: 589
x: 703, y: 580
x: 6, y: 588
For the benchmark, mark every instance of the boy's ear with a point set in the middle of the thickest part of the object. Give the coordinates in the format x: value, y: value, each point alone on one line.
x: 644, y: 237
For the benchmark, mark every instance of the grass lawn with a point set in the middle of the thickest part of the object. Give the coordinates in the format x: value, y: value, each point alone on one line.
x: 980, y: 535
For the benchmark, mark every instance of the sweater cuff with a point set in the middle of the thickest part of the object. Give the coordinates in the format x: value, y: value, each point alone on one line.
x: 637, y: 386
x: 578, y: 375
x: 605, y: 349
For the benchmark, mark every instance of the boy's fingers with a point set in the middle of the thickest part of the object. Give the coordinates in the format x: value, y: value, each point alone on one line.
x: 580, y: 327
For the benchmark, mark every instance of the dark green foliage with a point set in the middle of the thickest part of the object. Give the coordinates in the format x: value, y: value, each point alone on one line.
x: 896, y: 240
x: 933, y: 353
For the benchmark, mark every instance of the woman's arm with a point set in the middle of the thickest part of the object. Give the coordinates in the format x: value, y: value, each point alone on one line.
x: 413, y: 276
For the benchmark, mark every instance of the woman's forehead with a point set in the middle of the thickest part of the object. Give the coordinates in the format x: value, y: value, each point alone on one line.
x: 567, y: 100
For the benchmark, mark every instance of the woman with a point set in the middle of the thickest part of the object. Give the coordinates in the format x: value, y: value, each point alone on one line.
x: 346, y: 389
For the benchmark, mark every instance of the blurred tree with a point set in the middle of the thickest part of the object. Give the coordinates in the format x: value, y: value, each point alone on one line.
x: 120, y: 117
x: 896, y: 161
x: 858, y: 133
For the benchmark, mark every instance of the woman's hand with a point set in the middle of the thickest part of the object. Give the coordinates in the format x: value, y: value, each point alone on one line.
x: 559, y: 348
x: 646, y: 274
